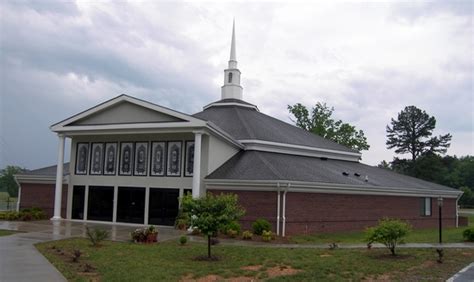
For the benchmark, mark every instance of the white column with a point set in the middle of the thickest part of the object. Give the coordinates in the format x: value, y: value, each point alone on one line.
x: 147, y: 204
x: 86, y: 202
x: 114, y: 210
x: 59, y: 179
x: 197, y: 165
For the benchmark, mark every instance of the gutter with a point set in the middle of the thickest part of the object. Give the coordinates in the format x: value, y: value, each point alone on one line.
x: 314, y: 187
x: 457, y: 210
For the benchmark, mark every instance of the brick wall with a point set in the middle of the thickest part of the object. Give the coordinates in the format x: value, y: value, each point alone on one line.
x: 316, y: 213
x: 42, y: 196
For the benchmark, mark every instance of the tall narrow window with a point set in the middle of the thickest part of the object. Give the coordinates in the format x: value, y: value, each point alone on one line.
x: 230, y: 77
x: 426, y: 206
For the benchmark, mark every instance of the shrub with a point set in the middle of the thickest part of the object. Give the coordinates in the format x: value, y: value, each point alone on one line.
x: 25, y: 214
x: 96, y: 236
x: 468, y: 234
x: 247, y: 235
x: 182, y: 221
x: 183, y: 240
x: 232, y: 233
x: 389, y: 232
x: 234, y: 225
x: 267, y: 236
x: 261, y: 225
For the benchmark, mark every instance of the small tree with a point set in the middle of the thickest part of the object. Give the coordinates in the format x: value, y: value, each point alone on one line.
x: 389, y: 232
x: 211, y: 213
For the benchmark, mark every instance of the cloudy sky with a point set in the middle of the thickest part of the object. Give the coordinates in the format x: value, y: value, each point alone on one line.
x: 367, y: 60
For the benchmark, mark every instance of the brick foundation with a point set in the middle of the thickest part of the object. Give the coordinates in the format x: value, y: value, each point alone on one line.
x: 308, y: 213
x: 42, y: 196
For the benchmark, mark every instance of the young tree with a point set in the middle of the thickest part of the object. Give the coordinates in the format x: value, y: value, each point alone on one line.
x: 211, y: 213
x: 411, y: 133
x: 389, y: 232
x: 320, y: 122
x: 7, y: 180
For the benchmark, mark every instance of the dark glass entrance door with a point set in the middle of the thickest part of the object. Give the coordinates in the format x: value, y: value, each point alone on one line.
x: 100, y: 203
x: 164, y: 205
x: 131, y: 204
x: 78, y: 194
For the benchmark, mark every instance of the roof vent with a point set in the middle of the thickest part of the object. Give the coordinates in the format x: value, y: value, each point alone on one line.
x: 345, y: 173
x: 324, y: 158
x: 366, y: 178
x: 357, y: 174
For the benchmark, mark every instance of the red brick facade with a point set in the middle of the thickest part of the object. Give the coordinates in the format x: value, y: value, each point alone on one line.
x: 42, y: 196
x: 316, y: 212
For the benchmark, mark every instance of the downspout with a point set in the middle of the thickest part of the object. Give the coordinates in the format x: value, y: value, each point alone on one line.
x: 19, y: 194
x: 284, y: 210
x: 278, y: 209
x: 457, y: 210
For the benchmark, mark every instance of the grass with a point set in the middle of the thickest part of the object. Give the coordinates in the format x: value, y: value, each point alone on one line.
x: 450, y: 235
x: 6, y: 232
x: 119, y: 261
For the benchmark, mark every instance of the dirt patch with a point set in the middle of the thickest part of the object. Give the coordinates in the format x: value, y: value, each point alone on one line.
x: 282, y: 270
x: 325, y: 255
x: 252, y: 267
x: 276, y: 271
x: 374, y: 278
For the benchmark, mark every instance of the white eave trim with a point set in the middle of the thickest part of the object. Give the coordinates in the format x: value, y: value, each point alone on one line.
x: 327, y: 188
x: 269, y: 146
x: 129, y: 126
x: 39, y: 179
x: 187, y: 119
x: 216, y: 104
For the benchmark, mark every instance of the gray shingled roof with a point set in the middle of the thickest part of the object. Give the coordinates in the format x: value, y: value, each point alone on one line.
x: 245, y: 123
x: 47, y: 171
x: 256, y: 165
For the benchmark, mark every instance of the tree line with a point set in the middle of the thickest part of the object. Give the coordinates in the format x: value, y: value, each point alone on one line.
x: 411, y: 133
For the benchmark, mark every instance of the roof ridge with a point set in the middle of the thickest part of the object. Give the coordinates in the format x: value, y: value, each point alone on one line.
x: 244, y: 123
x: 269, y: 165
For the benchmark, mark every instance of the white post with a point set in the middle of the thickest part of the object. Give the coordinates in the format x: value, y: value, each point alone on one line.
x: 147, y: 204
x: 197, y: 165
x: 59, y: 179
x: 114, y: 209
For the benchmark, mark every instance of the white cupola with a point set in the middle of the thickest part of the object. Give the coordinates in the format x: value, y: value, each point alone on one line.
x: 231, y: 88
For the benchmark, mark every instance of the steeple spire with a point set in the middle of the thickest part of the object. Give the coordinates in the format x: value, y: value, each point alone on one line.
x: 233, y: 56
x: 231, y: 88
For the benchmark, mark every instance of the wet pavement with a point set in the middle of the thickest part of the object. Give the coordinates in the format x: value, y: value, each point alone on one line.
x: 21, y: 261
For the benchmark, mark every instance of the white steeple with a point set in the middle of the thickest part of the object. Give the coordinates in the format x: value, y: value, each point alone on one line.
x: 231, y: 88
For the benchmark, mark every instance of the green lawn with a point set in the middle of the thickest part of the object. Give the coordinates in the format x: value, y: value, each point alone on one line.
x: 119, y: 261
x: 6, y: 232
x: 450, y: 235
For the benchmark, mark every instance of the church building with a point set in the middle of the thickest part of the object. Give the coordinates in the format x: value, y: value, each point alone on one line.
x: 131, y: 160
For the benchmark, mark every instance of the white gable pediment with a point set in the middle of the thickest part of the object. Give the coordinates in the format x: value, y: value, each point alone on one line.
x: 124, y: 111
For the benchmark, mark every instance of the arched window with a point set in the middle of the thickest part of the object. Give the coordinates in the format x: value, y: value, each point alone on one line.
x: 230, y: 77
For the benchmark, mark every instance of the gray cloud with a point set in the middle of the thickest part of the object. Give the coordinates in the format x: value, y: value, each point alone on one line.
x: 367, y: 60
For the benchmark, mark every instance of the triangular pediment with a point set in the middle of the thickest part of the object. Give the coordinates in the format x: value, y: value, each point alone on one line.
x: 126, y: 110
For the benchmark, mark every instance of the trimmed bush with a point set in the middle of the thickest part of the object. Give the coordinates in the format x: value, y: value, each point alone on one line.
x: 468, y: 234
x: 183, y: 240
x: 261, y: 225
x: 389, y: 232
x: 25, y: 214
x: 232, y: 233
x: 247, y: 235
x: 267, y: 236
x: 234, y: 225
